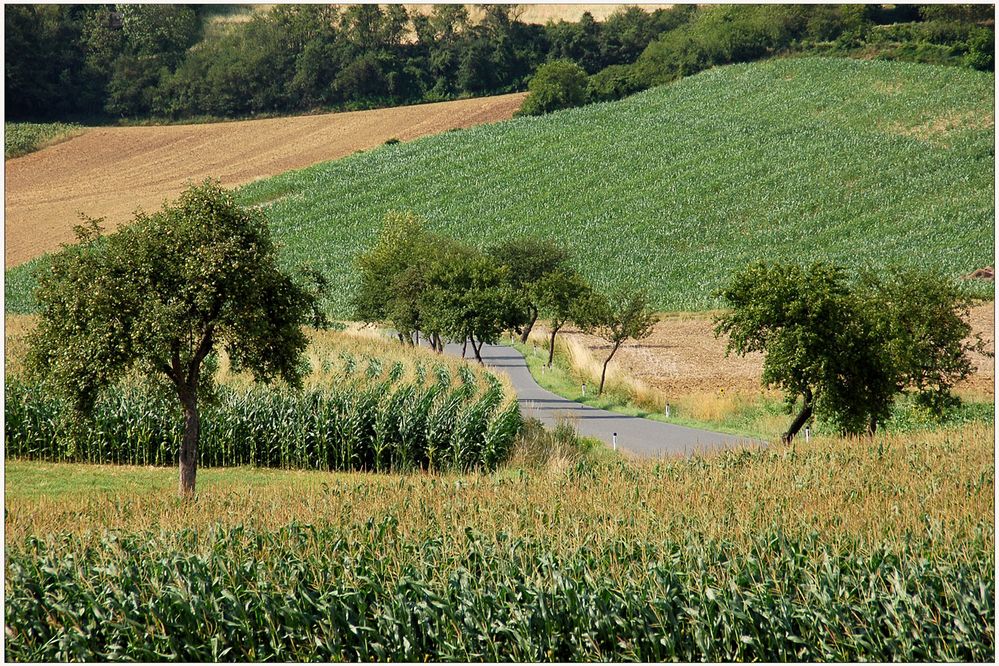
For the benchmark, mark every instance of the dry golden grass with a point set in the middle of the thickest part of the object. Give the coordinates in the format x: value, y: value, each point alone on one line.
x: 877, y: 490
x: 46, y: 190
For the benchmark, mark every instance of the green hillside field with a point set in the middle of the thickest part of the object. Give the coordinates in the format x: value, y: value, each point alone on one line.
x: 865, y: 163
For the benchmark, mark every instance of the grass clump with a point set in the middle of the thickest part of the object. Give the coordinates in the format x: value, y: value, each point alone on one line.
x: 23, y: 138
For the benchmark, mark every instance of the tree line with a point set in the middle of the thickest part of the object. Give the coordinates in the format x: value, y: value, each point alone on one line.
x: 173, y: 61
x: 418, y: 282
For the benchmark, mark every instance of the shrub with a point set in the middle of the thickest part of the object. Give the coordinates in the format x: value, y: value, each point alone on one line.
x: 560, y: 84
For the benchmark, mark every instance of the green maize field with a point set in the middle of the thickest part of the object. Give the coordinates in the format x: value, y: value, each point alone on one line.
x: 305, y: 593
x: 836, y: 550
x: 23, y: 138
x: 376, y: 409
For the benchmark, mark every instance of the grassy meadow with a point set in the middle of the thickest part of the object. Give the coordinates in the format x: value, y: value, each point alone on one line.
x: 677, y: 187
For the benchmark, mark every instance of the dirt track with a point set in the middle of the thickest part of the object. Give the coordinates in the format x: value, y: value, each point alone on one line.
x: 111, y: 171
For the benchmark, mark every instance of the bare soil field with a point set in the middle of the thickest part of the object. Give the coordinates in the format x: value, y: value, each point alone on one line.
x: 683, y: 357
x: 110, y: 172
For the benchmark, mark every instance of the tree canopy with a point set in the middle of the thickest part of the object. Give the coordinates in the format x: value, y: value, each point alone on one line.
x: 160, y: 296
x: 560, y: 84
x: 846, y: 349
x: 625, y: 315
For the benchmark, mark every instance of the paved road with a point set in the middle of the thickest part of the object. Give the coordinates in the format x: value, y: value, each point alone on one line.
x: 641, y: 437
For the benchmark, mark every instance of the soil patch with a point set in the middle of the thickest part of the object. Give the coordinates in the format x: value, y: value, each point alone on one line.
x: 684, y: 357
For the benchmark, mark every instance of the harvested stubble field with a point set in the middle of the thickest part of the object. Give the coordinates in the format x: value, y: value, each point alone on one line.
x: 683, y: 357
x: 111, y: 171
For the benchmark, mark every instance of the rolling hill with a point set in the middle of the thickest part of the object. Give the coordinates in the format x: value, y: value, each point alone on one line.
x: 110, y: 171
x: 862, y: 162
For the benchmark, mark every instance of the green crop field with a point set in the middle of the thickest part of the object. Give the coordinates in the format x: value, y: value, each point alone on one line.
x: 23, y: 138
x: 369, y: 405
x: 674, y: 189
x: 835, y: 550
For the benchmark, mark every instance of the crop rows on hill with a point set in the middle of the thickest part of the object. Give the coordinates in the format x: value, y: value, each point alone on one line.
x: 862, y: 163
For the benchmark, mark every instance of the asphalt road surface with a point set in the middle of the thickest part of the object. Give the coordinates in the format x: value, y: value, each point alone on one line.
x: 641, y: 437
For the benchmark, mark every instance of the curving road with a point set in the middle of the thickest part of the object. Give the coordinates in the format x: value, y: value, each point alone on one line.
x: 641, y: 437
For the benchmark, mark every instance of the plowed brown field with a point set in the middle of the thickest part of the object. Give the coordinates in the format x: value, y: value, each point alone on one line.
x: 111, y: 171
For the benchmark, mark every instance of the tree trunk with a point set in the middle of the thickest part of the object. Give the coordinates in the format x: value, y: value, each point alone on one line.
x: 551, y: 345
x: 464, y: 347
x: 872, y: 426
x: 402, y: 340
x: 477, y: 348
x: 527, y: 329
x: 800, y: 419
x: 603, y: 374
x: 416, y: 335
x: 189, y: 445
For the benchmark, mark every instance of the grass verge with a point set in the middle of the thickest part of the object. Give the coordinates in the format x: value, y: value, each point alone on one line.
x: 763, y: 415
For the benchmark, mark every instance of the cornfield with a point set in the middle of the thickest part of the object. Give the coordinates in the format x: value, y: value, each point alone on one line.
x: 357, y: 413
x: 834, y: 550
x: 305, y: 593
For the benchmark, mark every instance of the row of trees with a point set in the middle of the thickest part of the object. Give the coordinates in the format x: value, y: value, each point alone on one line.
x: 418, y: 281
x: 939, y: 34
x: 845, y: 349
x: 174, y: 61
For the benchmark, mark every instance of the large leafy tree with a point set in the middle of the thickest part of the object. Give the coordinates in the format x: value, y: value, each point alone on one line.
x: 921, y: 319
x: 528, y: 260
x: 469, y: 298
x: 160, y: 296
x: 845, y: 349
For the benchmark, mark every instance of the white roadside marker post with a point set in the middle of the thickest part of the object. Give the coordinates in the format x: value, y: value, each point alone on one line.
x: 667, y: 410
x: 584, y: 389
x: 808, y: 435
x: 615, y: 441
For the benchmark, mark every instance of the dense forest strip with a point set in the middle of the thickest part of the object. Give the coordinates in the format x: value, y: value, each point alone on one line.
x: 104, y: 63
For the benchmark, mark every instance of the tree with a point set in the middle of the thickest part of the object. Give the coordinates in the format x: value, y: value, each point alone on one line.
x: 469, y: 298
x: 560, y: 295
x: 626, y: 316
x: 160, y: 296
x: 920, y: 318
x: 528, y: 259
x: 560, y: 84
x: 848, y: 349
